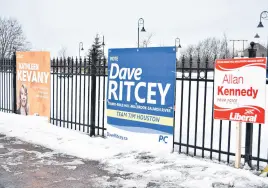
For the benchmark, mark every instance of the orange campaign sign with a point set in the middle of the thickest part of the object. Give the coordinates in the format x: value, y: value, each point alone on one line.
x: 33, y: 83
x: 240, y: 90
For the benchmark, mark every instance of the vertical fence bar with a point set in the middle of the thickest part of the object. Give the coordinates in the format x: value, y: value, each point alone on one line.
x: 72, y: 93
x: 50, y: 90
x: 9, y: 86
x: 61, y: 75
x: 88, y: 94
x: 64, y: 86
x: 189, y: 103
x: 220, y: 139
x: 53, y: 90
x: 205, y: 108
x: 93, y: 94
x: 75, y: 108
x: 5, y: 88
x: 57, y: 91
x: 14, y: 82
x: 103, y: 96
x: 80, y: 88
x: 6, y: 84
x: 1, y: 84
x: 68, y: 91
x: 99, y: 91
x: 229, y: 142
x: 196, y: 103
x: 182, y: 87
x: 84, y: 96
x: 259, y: 148
x: 249, y: 126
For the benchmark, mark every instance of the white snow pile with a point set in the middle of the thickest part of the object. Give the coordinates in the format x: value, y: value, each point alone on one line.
x: 135, y: 167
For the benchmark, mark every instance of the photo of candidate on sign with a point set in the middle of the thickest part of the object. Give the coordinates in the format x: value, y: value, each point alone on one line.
x: 141, y: 92
x: 33, y: 83
x: 23, y: 106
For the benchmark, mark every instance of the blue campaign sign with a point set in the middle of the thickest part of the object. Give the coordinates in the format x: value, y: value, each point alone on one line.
x: 141, y: 91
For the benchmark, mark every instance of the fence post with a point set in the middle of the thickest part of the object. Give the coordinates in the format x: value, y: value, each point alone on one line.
x: 93, y: 92
x: 14, y: 82
x: 249, y: 126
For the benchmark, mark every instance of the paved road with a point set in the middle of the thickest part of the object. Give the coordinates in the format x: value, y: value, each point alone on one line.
x: 23, y: 165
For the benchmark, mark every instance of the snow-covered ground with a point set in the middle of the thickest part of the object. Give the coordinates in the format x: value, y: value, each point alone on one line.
x: 144, y: 169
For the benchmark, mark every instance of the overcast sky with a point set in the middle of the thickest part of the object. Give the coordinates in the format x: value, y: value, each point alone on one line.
x: 51, y: 24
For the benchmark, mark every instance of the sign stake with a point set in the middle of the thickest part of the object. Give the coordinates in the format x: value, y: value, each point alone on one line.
x: 238, y: 145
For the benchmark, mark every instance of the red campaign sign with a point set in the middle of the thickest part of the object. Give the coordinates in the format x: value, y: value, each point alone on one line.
x: 239, y: 90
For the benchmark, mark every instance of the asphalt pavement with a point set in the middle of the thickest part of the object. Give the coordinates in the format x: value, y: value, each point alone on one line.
x: 24, y: 165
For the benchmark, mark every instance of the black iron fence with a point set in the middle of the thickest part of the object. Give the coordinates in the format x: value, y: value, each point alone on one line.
x: 78, y: 89
x: 77, y: 92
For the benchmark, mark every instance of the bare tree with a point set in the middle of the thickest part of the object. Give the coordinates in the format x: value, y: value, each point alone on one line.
x: 207, y: 49
x: 63, y: 52
x: 11, y: 37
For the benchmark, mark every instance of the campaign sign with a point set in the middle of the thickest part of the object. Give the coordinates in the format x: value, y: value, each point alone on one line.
x: 33, y: 84
x: 239, y: 90
x: 141, y: 95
